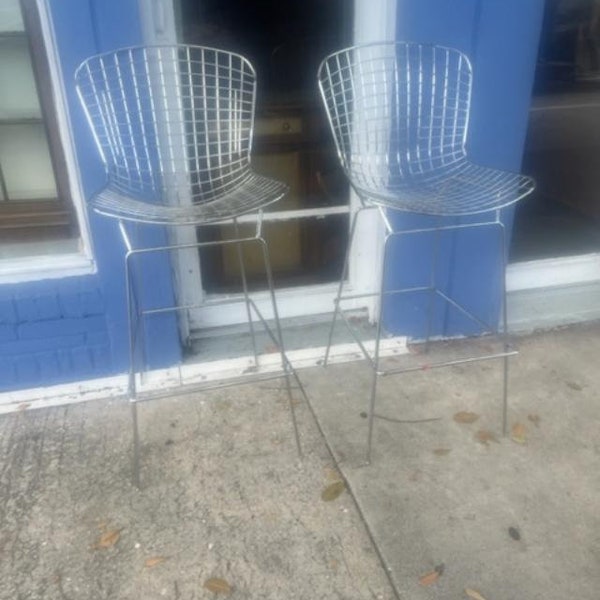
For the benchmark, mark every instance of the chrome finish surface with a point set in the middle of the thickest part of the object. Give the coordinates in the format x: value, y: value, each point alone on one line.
x: 174, y: 126
x: 399, y: 114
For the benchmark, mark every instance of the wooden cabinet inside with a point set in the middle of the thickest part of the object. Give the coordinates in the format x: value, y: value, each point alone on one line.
x: 291, y: 145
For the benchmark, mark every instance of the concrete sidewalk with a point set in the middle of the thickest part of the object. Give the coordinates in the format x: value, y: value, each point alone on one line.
x: 455, y: 495
x: 225, y: 497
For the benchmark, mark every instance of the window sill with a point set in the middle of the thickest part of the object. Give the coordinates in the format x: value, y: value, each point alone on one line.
x: 55, y: 265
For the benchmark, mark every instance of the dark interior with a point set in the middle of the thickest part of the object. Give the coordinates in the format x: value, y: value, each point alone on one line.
x: 285, y: 41
x: 562, y: 151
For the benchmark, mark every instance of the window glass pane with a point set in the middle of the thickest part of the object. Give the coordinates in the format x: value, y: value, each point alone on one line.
x: 10, y: 16
x: 26, y: 171
x: 18, y: 94
x: 25, y: 161
x: 36, y: 216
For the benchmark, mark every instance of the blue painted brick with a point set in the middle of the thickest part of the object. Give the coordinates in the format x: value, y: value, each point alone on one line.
x: 101, y: 357
x: 57, y: 327
x: 7, y: 333
x: 81, y: 359
x: 38, y: 307
x: 27, y: 370
x: 8, y: 314
x: 97, y: 338
x: 64, y: 360
x: 30, y: 346
x: 49, y: 366
x: 77, y: 303
x: 92, y: 303
x: 70, y: 305
x: 7, y: 373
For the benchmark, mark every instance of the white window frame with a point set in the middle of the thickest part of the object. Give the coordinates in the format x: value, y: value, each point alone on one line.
x: 55, y: 266
x: 560, y: 278
x: 371, y: 22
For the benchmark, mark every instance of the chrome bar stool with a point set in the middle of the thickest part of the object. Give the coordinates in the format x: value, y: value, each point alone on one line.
x: 173, y: 126
x: 399, y: 114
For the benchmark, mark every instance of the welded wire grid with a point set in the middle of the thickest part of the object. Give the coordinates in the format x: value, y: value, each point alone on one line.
x: 174, y: 126
x: 399, y: 113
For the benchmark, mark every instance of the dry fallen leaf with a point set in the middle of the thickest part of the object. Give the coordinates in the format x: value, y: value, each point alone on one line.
x: 474, y: 594
x: 332, y: 491
x: 574, y: 386
x: 535, y: 419
x: 519, y: 433
x: 331, y: 474
x: 466, y: 417
x: 153, y: 561
x: 432, y: 576
x: 108, y: 539
x: 483, y: 436
x: 217, y: 585
x: 334, y: 564
x: 429, y: 578
x: 415, y: 475
x: 442, y: 451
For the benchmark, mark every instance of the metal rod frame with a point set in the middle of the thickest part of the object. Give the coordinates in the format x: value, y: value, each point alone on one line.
x: 373, y: 357
x: 174, y: 125
x: 399, y: 113
x: 136, y: 315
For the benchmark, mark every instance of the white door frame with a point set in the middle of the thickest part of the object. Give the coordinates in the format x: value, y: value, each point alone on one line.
x: 372, y: 21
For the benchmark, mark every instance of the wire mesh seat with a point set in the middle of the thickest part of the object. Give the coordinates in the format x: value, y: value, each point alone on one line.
x: 174, y: 126
x: 462, y: 189
x: 399, y: 113
x: 254, y: 193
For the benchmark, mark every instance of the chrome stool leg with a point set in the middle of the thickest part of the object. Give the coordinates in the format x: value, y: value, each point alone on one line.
x: 190, y: 179
x: 136, y: 445
x: 416, y: 162
x: 244, y: 279
x: 432, y: 284
x: 287, y: 367
x: 505, y: 338
x: 133, y: 318
x: 376, y: 372
x: 345, y: 270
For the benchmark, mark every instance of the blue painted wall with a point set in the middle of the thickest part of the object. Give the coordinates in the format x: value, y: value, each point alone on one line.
x: 63, y: 330
x: 69, y: 329
x: 501, y: 37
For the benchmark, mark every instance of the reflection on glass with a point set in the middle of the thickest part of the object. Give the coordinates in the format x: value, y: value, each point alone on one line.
x: 562, y: 150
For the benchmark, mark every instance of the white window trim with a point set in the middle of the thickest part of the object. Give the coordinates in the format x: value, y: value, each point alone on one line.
x: 170, y: 380
x: 553, y: 272
x: 58, y: 265
x: 157, y: 17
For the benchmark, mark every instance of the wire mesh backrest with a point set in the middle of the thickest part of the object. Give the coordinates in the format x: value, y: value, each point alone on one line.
x: 173, y: 120
x: 397, y: 109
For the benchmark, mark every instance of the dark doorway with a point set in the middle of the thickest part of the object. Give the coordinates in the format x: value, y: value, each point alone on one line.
x: 285, y: 41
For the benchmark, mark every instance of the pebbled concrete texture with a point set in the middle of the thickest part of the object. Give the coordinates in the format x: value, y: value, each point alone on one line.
x: 225, y: 495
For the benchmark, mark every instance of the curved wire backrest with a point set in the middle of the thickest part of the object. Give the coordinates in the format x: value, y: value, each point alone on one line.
x: 171, y: 120
x: 396, y: 109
